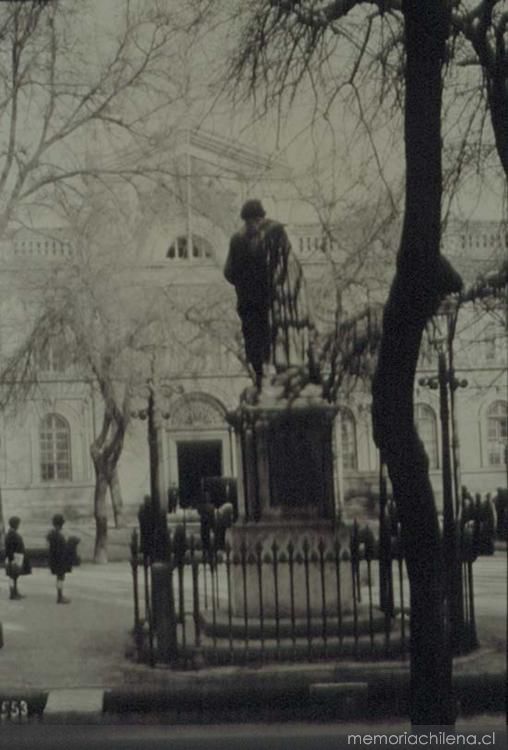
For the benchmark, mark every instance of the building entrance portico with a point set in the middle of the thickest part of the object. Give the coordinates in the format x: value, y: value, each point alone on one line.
x: 196, y: 460
x: 199, y: 445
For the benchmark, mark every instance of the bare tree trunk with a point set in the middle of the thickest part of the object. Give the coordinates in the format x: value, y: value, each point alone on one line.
x: 105, y: 451
x: 116, y: 497
x: 101, y: 517
x: 421, y: 279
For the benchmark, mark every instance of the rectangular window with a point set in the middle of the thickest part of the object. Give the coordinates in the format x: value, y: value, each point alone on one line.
x: 494, y: 458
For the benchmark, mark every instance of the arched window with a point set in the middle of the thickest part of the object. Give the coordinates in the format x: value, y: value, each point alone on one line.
x: 497, y: 433
x: 55, y: 448
x: 427, y: 430
x: 348, y: 440
x: 178, y: 250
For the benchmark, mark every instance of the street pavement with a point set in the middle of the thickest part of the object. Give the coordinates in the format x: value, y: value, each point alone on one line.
x: 489, y: 730
x: 490, y: 589
x: 80, y: 644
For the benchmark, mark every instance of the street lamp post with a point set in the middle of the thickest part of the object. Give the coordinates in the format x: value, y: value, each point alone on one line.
x: 155, y: 417
x: 163, y: 600
x: 447, y: 383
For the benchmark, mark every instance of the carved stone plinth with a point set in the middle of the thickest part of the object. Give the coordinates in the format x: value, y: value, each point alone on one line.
x: 285, y: 569
x: 285, y: 457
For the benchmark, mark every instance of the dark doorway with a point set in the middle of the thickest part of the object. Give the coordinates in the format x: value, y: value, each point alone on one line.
x: 202, y: 458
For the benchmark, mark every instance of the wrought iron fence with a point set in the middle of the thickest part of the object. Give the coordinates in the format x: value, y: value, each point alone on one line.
x: 335, y: 599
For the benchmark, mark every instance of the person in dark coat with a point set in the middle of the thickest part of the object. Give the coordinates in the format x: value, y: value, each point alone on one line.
x: 16, y: 560
x: 207, y: 525
x: 58, y: 556
x: 224, y: 517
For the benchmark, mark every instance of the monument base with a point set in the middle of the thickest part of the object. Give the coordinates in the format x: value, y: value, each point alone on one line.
x: 284, y: 447
x: 288, y: 548
x: 290, y: 568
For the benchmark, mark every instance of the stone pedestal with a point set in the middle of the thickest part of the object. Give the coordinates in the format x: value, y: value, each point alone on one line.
x: 286, y: 501
x: 285, y: 456
x: 290, y: 568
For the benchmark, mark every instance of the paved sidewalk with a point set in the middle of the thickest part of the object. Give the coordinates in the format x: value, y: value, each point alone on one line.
x: 81, y: 644
x: 50, y: 647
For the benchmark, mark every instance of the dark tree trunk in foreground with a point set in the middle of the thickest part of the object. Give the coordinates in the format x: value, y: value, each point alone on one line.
x: 422, y: 279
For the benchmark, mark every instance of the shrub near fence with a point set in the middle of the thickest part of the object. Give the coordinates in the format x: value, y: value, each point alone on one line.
x: 483, y: 520
x: 501, y: 506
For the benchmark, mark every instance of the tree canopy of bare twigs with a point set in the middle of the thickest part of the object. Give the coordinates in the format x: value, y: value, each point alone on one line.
x: 71, y: 88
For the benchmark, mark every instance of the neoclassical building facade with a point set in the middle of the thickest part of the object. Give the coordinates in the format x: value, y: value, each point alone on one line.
x: 45, y: 463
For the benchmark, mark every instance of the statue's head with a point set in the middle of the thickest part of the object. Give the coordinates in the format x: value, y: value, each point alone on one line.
x: 252, y: 213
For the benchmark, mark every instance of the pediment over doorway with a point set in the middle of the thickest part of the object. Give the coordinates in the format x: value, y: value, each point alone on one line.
x: 198, y: 411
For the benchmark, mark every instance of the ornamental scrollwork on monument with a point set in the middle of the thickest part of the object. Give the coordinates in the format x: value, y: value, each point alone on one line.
x: 196, y: 412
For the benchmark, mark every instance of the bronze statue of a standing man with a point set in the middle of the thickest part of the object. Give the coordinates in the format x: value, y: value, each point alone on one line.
x: 271, y: 297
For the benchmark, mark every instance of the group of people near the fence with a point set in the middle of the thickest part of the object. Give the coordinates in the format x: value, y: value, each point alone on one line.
x: 61, y: 556
x: 214, y: 523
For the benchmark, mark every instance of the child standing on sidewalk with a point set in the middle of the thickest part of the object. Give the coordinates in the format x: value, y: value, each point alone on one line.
x: 16, y: 561
x: 58, y: 557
